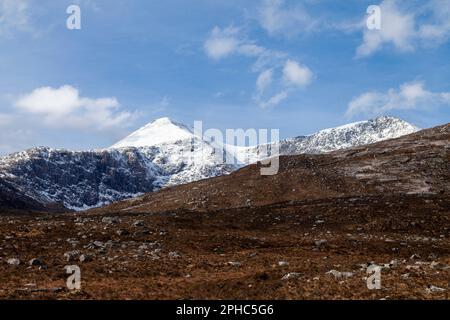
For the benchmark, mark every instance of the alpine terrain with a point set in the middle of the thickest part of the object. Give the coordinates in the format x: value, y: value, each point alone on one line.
x: 161, y: 154
x: 316, y: 230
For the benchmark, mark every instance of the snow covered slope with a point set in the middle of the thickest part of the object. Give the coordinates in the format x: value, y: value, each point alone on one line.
x: 347, y: 136
x: 350, y: 135
x: 157, y: 132
x: 160, y: 154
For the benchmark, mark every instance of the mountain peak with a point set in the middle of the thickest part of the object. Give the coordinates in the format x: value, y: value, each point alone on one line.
x: 159, y: 131
x: 354, y: 134
x: 164, y: 120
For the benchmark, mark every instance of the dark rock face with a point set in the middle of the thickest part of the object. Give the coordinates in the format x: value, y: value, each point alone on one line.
x: 11, y: 198
x: 75, y: 179
x: 81, y: 180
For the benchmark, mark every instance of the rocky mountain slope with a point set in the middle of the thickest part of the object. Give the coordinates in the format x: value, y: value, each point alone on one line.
x: 415, y: 164
x: 161, y: 154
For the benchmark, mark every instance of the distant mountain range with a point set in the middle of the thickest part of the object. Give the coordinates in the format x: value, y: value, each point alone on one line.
x: 160, y: 154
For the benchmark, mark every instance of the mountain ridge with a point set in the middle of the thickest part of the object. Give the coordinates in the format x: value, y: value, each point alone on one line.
x: 411, y: 165
x: 81, y: 180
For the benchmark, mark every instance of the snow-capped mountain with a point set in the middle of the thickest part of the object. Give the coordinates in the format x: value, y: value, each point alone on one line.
x: 346, y: 136
x: 160, y: 154
x: 160, y: 131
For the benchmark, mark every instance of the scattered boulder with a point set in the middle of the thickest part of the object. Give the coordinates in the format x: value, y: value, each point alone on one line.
x: 71, y: 255
x: 291, y: 275
x: 111, y: 220
x: 122, y: 232
x: 174, y: 255
x: 86, y: 257
x: 433, y: 256
x: 13, y: 262
x: 235, y: 264
x: 138, y: 223
x: 36, y: 262
x: 141, y: 233
x: 414, y: 257
x: 434, y: 289
x: 321, y: 243
x: 391, y: 265
x: 340, y: 275
x: 95, y: 245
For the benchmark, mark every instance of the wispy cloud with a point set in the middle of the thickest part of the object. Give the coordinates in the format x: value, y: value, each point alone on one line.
x: 14, y: 16
x: 225, y: 42
x: 412, y: 95
x: 274, y: 100
x: 278, y: 19
x: 264, y: 80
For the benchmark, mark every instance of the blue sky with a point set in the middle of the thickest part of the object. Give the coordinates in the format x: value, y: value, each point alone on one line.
x: 299, y: 66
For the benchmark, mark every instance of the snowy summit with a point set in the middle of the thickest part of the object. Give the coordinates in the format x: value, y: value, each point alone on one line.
x: 160, y: 131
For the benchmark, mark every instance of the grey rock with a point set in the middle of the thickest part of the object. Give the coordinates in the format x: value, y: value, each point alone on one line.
x: 122, y: 232
x: 340, y: 275
x: 86, y: 258
x: 434, y: 289
x: 236, y: 264
x: 291, y: 275
x: 36, y: 262
x: 13, y: 262
x: 71, y: 255
x: 111, y: 220
x: 174, y: 255
x: 138, y: 223
x: 321, y: 243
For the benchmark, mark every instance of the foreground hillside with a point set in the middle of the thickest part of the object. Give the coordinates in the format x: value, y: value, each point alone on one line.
x: 310, y: 232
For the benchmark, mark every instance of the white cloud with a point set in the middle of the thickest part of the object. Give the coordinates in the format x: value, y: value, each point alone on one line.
x: 13, y: 16
x: 397, y: 28
x: 296, y: 74
x: 221, y: 42
x: 405, y: 29
x: 264, y: 80
x: 274, y: 100
x: 412, y: 95
x: 60, y: 102
x: 64, y: 107
x: 278, y: 19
